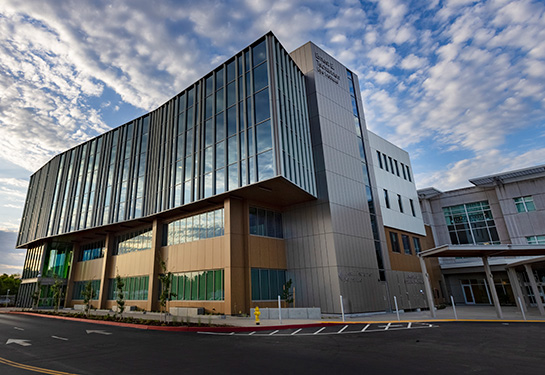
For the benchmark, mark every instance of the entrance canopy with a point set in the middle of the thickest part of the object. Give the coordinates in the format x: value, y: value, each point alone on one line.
x: 484, y: 252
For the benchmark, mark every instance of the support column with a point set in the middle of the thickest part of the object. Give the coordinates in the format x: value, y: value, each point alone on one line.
x: 492, y: 287
x: 517, y: 290
x: 535, y: 289
x: 103, y: 292
x: 70, y: 280
x: 154, y: 267
x: 427, y: 286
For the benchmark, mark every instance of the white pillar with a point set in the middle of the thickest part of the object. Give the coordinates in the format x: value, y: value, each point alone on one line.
x: 492, y: 287
x: 427, y: 286
x: 517, y: 290
x: 535, y: 289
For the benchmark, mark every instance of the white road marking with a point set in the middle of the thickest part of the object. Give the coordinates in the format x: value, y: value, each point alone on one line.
x: 19, y: 328
x: 60, y: 338
x: 18, y: 342
x: 318, y: 331
x: 101, y: 332
x: 296, y: 331
x: 389, y: 326
x: 409, y: 325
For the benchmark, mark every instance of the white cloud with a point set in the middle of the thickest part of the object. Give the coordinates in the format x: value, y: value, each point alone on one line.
x: 383, y: 56
x: 467, y: 74
x: 412, y: 62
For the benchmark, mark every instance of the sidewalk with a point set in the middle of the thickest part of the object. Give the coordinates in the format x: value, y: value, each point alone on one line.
x: 465, y: 313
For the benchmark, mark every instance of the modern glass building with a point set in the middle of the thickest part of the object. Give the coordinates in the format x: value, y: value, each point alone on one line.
x: 255, y: 174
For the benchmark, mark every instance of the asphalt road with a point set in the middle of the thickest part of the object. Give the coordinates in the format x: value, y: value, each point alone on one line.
x: 444, y: 348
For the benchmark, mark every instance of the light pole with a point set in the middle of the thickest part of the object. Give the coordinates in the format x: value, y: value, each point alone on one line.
x: 7, y: 299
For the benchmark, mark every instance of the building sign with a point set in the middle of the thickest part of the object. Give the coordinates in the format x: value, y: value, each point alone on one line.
x: 413, y: 279
x: 326, y: 68
x: 354, y: 277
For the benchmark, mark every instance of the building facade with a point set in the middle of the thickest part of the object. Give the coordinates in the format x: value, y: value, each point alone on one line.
x: 404, y: 229
x: 256, y: 174
x: 505, y: 208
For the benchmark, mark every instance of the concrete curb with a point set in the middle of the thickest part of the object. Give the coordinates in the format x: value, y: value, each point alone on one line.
x: 179, y: 329
x: 439, y: 321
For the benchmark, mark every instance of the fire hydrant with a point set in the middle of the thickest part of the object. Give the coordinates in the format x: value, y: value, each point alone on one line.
x: 257, y: 313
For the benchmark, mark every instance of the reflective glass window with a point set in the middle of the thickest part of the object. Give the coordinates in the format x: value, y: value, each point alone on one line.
x: 220, y: 181
x: 219, y: 78
x: 209, y: 132
x: 265, y: 166
x: 231, y: 73
x: 220, y: 154
x: 231, y: 94
x: 261, y: 79
x: 259, y: 53
x: 232, y: 150
x: 231, y: 121
x: 208, y: 159
x: 209, y: 85
x: 233, y: 176
x: 220, y: 127
x: 220, y: 101
x: 262, y: 110
x: 264, y: 136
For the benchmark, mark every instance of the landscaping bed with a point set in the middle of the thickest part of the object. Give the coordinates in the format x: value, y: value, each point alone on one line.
x: 172, y: 320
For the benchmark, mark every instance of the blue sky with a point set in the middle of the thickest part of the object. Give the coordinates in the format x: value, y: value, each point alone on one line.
x: 459, y: 84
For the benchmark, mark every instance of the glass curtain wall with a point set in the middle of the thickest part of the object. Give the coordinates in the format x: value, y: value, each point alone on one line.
x: 293, y: 123
x: 370, y: 201
x: 471, y: 223
x: 217, y: 135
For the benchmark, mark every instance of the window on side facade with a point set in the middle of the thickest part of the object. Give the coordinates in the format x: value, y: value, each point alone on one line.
x: 416, y: 244
x: 536, y: 240
x: 394, y: 241
x: 525, y: 204
x: 379, y: 160
x: 406, y: 244
x: 412, y: 207
x: 400, y: 203
x: 386, y: 198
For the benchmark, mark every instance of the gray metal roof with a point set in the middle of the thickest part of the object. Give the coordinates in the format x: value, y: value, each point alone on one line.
x: 522, y: 174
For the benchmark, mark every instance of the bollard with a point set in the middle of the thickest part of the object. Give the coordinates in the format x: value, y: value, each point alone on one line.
x: 342, y: 308
x: 257, y: 313
x: 454, y: 308
x: 522, y: 308
x: 397, y: 310
x: 279, y: 310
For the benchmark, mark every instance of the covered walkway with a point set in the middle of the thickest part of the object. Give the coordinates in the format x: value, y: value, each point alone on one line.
x: 485, y: 252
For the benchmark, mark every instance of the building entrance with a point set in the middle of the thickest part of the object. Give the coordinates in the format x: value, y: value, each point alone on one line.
x: 475, y: 291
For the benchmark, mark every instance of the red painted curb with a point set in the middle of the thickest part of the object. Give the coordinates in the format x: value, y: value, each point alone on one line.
x: 177, y: 329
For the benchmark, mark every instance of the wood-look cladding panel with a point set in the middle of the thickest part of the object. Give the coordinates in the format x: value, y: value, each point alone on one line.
x: 266, y: 252
x: 131, y: 264
x: 401, y: 261
x: 88, y: 270
x: 195, y: 256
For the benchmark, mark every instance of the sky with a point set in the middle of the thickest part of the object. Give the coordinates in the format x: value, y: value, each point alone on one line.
x: 459, y: 84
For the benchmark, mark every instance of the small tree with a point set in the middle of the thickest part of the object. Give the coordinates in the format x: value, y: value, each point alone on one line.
x: 119, y: 284
x: 286, y: 292
x: 166, y: 279
x: 88, y: 295
x: 57, y: 290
